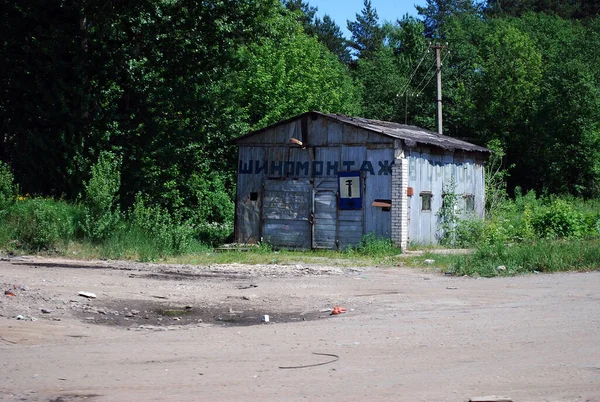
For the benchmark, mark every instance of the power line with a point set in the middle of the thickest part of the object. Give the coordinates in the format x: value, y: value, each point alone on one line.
x: 405, y: 87
x: 425, y: 86
x: 425, y: 76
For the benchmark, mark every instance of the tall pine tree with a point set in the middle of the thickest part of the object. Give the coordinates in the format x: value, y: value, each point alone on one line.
x: 367, y: 34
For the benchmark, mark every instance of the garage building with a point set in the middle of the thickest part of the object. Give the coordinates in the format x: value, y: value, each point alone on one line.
x: 324, y: 180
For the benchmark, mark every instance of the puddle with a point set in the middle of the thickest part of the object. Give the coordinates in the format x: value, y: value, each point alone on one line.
x: 133, y: 313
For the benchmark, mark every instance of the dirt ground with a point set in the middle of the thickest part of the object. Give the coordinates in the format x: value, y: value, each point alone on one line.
x: 187, y: 333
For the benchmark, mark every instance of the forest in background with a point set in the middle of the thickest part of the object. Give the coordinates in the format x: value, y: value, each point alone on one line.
x: 128, y: 109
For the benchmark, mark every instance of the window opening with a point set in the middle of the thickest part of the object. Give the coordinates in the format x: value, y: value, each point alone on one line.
x: 426, y: 200
x: 469, y: 202
x: 253, y: 196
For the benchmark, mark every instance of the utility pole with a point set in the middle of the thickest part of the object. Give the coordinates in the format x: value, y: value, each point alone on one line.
x: 438, y: 62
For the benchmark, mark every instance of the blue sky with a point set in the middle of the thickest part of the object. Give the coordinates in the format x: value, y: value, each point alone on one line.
x: 342, y: 10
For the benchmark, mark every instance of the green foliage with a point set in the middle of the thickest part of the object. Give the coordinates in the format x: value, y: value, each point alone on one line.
x: 542, y: 103
x: 387, y: 91
x: 170, y: 234
x: 447, y: 216
x: 330, y: 34
x: 8, y: 189
x: 166, y: 85
x: 373, y: 246
x: 129, y: 241
x: 576, y: 9
x: 470, y: 232
x: 41, y: 223
x: 531, y: 257
x: 437, y: 13
x: 304, y: 12
x: 559, y: 220
x: 214, y: 199
x: 529, y: 219
x: 367, y: 34
x: 101, y: 206
x: 214, y: 234
x: 495, y: 177
x: 290, y: 74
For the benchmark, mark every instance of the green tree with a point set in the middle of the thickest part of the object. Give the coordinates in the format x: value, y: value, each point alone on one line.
x: 291, y: 74
x: 437, y: 13
x: 101, y: 205
x: 149, y: 80
x: 511, y: 73
x: 305, y: 14
x: 367, y: 34
x: 331, y: 36
x: 561, y: 153
x: 575, y: 9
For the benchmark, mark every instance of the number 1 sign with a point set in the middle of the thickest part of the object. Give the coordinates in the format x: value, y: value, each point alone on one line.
x: 350, y: 190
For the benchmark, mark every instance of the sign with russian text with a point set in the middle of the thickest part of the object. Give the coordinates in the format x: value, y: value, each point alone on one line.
x: 350, y: 190
x: 312, y: 169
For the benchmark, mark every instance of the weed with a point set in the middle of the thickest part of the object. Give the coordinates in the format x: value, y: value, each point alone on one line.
x: 8, y: 189
x: 447, y: 216
x: 101, y: 195
x: 169, y: 234
x: 41, y: 223
x: 538, y: 256
x: 214, y: 233
x: 374, y: 246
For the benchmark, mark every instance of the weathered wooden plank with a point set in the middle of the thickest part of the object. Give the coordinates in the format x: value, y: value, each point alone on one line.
x: 286, y: 212
x: 247, y: 222
x: 355, y: 228
x: 350, y: 218
x: 378, y: 186
x: 325, y: 214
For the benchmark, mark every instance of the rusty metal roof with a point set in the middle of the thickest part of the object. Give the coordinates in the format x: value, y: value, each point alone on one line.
x: 412, y: 135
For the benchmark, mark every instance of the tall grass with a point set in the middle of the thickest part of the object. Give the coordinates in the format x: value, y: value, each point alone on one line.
x: 40, y: 224
x: 530, y: 233
x: 527, y: 234
x: 538, y: 256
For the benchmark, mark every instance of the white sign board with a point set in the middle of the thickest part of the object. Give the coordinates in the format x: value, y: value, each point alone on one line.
x: 349, y: 187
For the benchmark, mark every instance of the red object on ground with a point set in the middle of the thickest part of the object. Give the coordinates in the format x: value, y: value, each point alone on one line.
x: 338, y: 310
x: 9, y: 293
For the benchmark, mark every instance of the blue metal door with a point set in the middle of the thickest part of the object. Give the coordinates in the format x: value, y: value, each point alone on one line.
x: 286, y: 213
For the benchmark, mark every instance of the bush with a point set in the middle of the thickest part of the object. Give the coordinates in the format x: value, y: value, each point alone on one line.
x: 469, y: 232
x: 447, y: 216
x: 171, y: 235
x: 8, y: 190
x: 101, y: 195
x: 214, y: 198
x: 215, y: 233
x: 41, y: 223
x: 595, y: 227
x: 559, y: 220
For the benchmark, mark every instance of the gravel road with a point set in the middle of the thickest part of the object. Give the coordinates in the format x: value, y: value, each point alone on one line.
x: 188, y: 333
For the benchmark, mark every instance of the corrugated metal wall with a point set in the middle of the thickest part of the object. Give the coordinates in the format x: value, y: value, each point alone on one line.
x: 288, y: 195
x: 286, y: 211
x: 430, y: 172
x: 276, y: 178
